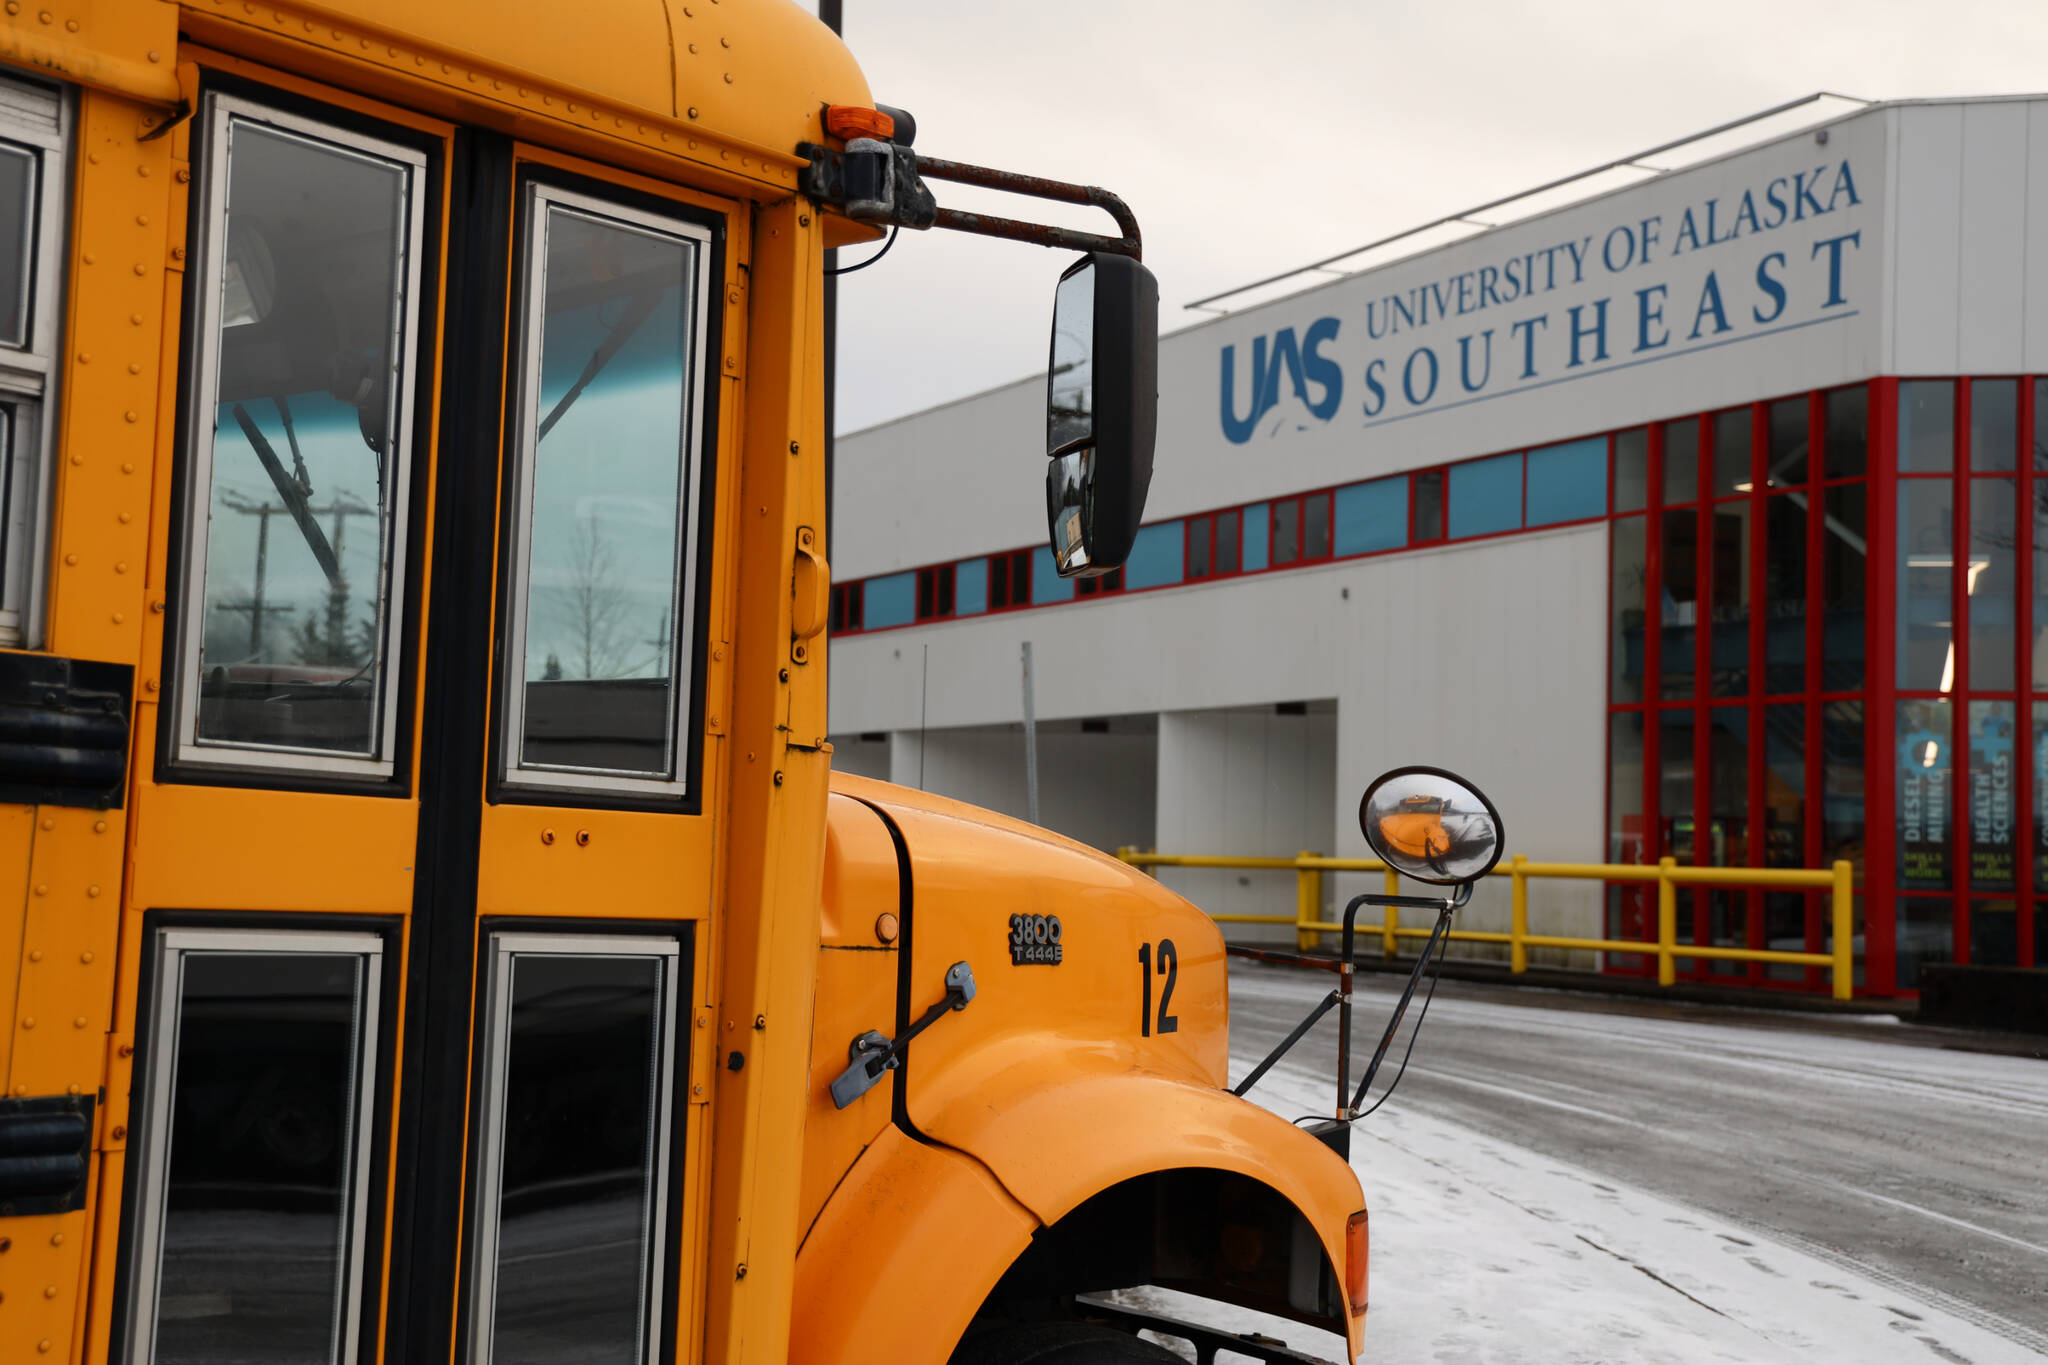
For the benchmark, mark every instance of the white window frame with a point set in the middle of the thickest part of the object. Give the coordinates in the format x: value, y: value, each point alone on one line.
x: 37, y: 119
x: 515, y: 770
x: 210, y: 244
x: 149, y: 1156
x: 493, y: 1048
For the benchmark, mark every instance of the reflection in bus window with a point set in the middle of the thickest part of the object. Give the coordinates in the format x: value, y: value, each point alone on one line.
x: 251, y: 1213
x: 572, y: 1194
x: 299, y: 450
x: 603, y: 583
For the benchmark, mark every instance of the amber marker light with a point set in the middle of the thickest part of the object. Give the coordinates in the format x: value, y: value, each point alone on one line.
x: 1356, y: 1242
x: 849, y: 121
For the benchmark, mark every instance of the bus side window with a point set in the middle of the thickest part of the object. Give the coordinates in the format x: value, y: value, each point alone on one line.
x: 576, y: 1136
x: 608, y: 449
x: 255, y: 1118
x: 35, y: 129
x: 299, y: 455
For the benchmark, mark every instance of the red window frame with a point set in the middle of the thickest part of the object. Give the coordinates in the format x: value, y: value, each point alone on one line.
x: 1439, y: 477
x: 935, y: 592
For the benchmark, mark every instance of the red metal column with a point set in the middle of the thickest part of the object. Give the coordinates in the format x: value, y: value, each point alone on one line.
x: 1959, y: 708
x: 1755, y: 762
x: 2023, y: 703
x: 1702, y: 684
x: 1816, y: 597
x: 1653, y: 671
x: 1881, y: 759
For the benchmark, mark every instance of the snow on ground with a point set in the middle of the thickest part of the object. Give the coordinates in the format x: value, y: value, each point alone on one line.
x: 1484, y: 1253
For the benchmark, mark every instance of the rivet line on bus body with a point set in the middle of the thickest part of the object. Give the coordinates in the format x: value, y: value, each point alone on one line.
x: 120, y: 1133
x: 99, y: 827
x: 36, y: 955
x: 547, y: 836
x: 583, y: 838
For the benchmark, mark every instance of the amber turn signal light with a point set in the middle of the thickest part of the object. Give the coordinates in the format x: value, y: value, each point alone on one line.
x: 1356, y: 1243
x: 849, y: 121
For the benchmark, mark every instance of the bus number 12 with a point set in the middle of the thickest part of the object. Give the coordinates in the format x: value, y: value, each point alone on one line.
x: 1169, y: 968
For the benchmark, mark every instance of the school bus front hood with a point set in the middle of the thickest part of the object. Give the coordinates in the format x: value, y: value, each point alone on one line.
x: 1071, y: 951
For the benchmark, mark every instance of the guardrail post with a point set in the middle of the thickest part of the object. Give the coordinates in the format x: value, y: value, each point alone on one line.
x: 1390, y: 942
x: 1518, y: 920
x: 1845, y: 925
x: 1308, y: 903
x: 1667, y: 922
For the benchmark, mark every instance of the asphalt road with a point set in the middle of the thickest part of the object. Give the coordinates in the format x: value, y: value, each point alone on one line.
x: 1916, y: 1156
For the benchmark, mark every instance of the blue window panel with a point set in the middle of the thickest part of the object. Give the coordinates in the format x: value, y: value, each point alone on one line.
x: 1372, y: 516
x: 890, y: 601
x: 970, y: 587
x: 1257, y: 529
x: 1046, y: 583
x: 1156, y: 556
x: 1486, y: 496
x: 1568, y: 482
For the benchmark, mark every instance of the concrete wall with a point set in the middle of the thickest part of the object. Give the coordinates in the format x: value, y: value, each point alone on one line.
x: 1488, y: 658
x: 1252, y: 782
x: 1099, y: 788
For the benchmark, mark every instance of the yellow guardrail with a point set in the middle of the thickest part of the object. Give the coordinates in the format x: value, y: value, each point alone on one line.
x: 1308, y: 923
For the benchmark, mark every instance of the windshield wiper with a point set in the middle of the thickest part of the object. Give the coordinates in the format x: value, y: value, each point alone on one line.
x: 293, y: 496
x: 638, y: 311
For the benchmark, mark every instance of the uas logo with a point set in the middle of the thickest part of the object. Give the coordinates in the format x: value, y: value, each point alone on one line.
x: 1304, y: 364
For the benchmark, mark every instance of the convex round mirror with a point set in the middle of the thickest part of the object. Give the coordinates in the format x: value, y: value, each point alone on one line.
x: 1431, y: 825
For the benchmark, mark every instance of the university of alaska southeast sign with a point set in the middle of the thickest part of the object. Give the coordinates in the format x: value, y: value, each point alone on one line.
x: 1774, y: 255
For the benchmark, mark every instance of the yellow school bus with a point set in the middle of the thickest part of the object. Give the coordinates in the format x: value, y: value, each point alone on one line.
x: 431, y: 928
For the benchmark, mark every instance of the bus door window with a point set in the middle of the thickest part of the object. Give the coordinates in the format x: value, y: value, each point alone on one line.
x: 299, y: 453
x: 609, y: 432
x: 256, y: 1114
x: 34, y: 130
x: 574, y: 1148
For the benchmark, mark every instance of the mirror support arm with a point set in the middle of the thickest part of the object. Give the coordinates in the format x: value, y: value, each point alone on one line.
x: 1131, y: 244
x: 1445, y: 907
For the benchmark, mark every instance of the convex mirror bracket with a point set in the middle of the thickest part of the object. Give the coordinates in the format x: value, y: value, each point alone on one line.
x: 1431, y: 825
x: 1102, y: 406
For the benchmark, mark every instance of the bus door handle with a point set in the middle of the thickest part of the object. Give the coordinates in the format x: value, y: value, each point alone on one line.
x: 871, y: 1056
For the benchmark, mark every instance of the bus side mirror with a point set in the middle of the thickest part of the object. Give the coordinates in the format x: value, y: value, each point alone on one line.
x: 1431, y: 825
x: 1102, y: 406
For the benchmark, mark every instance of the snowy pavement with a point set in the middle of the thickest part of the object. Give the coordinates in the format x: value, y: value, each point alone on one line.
x: 1514, y: 1220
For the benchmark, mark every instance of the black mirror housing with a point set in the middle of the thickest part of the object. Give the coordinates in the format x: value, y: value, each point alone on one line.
x: 1102, y: 411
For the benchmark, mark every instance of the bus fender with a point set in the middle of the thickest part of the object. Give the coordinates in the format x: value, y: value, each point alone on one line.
x: 1059, y: 1124
x: 901, y: 1256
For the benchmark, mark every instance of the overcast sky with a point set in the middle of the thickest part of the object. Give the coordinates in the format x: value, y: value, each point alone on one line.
x: 1252, y: 137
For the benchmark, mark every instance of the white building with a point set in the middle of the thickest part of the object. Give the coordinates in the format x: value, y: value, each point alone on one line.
x: 1578, y: 507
